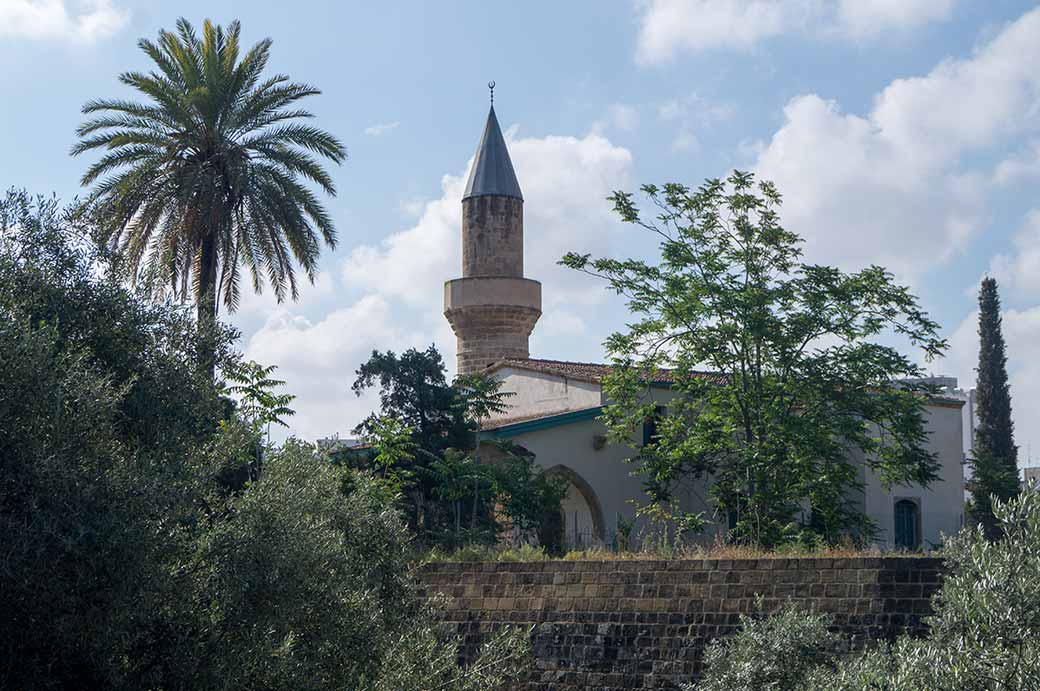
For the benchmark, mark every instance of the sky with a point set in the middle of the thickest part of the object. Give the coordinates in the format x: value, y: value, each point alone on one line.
x: 904, y: 133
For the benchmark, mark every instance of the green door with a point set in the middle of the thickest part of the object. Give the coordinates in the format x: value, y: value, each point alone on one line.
x: 906, y: 524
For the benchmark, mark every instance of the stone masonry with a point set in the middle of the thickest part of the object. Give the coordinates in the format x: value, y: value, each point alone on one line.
x: 492, y: 309
x: 645, y: 624
x: 493, y: 236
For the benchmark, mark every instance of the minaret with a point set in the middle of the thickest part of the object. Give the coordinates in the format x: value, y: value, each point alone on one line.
x: 492, y: 308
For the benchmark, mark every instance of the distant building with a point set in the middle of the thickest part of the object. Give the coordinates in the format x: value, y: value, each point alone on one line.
x: 334, y: 444
x: 947, y: 386
x: 554, y: 413
x: 1031, y: 476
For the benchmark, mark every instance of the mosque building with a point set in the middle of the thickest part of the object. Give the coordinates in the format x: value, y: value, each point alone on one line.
x: 493, y: 309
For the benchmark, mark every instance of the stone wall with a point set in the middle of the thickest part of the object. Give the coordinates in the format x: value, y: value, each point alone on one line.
x: 645, y: 624
x: 492, y: 236
x: 487, y: 334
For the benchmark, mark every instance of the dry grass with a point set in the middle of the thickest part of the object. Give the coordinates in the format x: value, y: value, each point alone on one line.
x: 527, y: 553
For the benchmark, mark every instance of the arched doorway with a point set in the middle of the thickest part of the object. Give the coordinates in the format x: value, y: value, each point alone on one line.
x: 582, y: 515
x: 907, y: 524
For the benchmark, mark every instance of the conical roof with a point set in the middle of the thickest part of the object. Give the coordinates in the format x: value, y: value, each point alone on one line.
x: 492, y: 172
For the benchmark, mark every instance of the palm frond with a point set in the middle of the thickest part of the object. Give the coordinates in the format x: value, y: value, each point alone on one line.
x: 215, y: 156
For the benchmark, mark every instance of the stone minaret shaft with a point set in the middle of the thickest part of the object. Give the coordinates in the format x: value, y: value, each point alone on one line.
x: 492, y: 308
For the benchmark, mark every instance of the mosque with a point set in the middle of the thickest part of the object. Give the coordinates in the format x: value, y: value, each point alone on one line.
x: 493, y: 308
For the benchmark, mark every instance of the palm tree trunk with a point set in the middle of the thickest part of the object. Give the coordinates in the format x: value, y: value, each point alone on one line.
x: 206, y: 306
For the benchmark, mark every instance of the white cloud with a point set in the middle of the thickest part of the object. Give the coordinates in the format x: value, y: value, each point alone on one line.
x: 379, y: 129
x: 873, y: 18
x: 1021, y: 330
x: 90, y: 21
x: 1022, y: 165
x: 565, y: 181
x: 686, y: 141
x: 857, y: 198
x: 1019, y: 272
x: 253, y: 303
x: 889, y: 187
x: 621, y: 117
x: 317, y: 360
x: 670, y: 26
x: 691, y: 114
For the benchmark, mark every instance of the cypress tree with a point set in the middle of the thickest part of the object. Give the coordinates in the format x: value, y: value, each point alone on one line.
x: 995, y: 457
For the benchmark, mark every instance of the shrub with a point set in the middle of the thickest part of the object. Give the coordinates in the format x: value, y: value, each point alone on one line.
x: 132, y: 557
x: 774, y: 653
x: 985, y: 633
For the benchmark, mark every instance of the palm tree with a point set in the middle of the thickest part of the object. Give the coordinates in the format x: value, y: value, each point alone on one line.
x: 208, y: 176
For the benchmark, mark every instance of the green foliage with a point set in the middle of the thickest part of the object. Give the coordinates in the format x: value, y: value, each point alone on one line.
x: 54, y: 276
x: 995, y: 456
x: 298, y: 580
x: 986, y: 632
x: 528, y: 499
x: 667, y: 527
x: 984, y: 635
x: 799, y: 379
x: 476, y: 552
x: 623, y: 533
x: 427, y: 431
x: 772, y: 653
x: 207, y: 176
x: 259, y: 404
x: 392, y: 442
x: 481, y: 396
x: 425, y: 659
x: 101, y: 411
x: 413, y: 389
x: 130, y: 558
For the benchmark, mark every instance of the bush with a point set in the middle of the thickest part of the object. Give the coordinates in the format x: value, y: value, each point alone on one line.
x: 774, y: 653
x: 985, y: 633
x: 132, y: 557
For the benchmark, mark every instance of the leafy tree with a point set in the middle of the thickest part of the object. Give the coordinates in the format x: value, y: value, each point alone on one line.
x: 995, y: 456
x: 102, y: 412
x: 308, y: 587
x: 413, y: 388
x: 392, y: 442
x: 207, y: 176
x: 259, y: 403
x: 53, y: 276
x: 801, y: 380
x: 453, y: 497
x: 528, y: 499
x: 126, y: 562
x: 984, y: 635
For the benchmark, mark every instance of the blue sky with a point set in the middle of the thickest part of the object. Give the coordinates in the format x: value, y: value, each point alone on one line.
x: 902, y: 132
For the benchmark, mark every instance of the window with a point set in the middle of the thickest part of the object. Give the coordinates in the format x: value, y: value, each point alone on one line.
x: 650, y: 425
x: 907, y: 517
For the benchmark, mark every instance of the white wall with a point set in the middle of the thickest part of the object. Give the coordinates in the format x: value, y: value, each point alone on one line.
x: 941, y: 505
x: 571, y: 445
x: 544, y: 393
x: 605, y: 470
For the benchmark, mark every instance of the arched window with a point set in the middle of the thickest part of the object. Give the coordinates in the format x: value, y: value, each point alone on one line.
x: 907, y: 519
x: 582, y: 515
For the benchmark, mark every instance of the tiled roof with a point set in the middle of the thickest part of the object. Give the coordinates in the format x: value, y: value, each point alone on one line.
x: 590, y: 371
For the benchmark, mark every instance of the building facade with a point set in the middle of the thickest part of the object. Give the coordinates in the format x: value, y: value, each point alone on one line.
x: 554, y: 412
